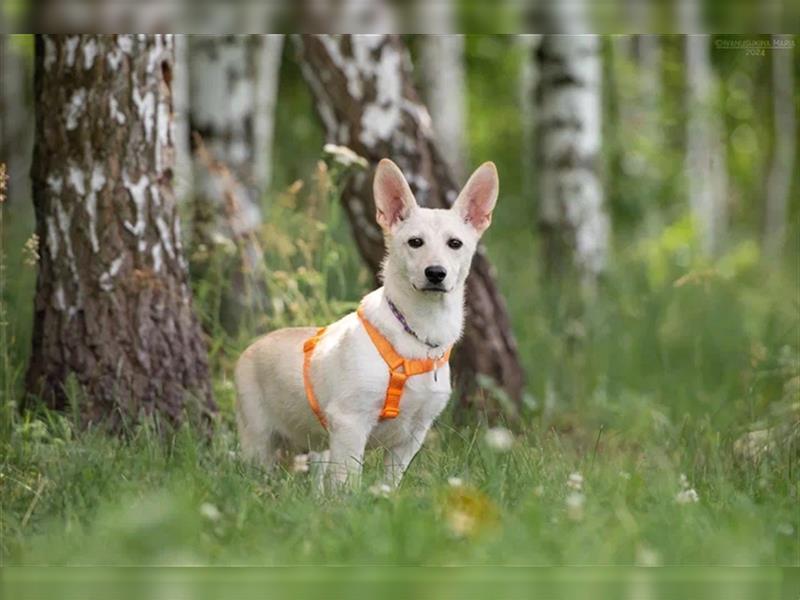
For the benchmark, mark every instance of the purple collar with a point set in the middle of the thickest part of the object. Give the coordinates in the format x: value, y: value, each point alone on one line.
x: 406, y: 327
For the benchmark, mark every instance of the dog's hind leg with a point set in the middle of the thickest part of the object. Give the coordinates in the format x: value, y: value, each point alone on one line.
x: 256, y: 434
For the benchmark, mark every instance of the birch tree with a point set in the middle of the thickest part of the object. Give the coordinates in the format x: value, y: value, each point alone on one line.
x: 443, y: 78
x: 571, y: 210
x: 784, y: 146
x: 113, y: 306
x: 705, y: 151
x: 706, y: 177
x: 233, y: 88
x: 364, y: 94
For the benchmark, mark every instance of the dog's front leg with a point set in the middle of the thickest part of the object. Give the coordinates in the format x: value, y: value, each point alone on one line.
x: 397, y: 458
x: 348, y: 439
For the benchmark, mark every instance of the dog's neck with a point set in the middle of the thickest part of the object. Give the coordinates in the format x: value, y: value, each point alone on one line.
x: 436, y: 319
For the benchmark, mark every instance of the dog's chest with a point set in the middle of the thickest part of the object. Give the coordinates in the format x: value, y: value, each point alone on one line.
x: 352, y: 379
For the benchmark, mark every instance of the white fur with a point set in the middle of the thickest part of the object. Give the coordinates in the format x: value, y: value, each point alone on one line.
x: 349, y: 375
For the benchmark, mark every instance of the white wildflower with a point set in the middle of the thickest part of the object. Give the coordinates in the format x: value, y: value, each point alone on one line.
x: 30, y: 251
x: 380, y: 490
x: 647, y: 557
x: 345, y: 156
x: 227, y: 245
x: 684, y: 482
x: 455, y: 481
x: 499, y: 439
x: 688, y: 496
x: 300, y: 463
x: 209, y: 511
x: 575, y: 502
x: 575, y: 481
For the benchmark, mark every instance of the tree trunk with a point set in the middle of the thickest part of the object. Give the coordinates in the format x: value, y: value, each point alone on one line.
x: 444, y: 91
x: 113, y: 306
x: 226, y: 77
x: 781, y: 168
x: 182, y: 182
x: 15, y: 120
x: 528, y: 83
x: 363, y: 90
x: 572, y: 217
x: 705, y: 150
x: 269, y: 62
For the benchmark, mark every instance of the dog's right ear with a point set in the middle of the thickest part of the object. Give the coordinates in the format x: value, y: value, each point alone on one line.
x: 393, y: 198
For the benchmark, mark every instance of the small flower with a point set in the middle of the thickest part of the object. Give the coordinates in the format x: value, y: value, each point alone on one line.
x: 688, y: 496
x: 300, y: 463
x: 684, y: 482
x: 380, y: 490
x: 467, y: 511
x: 575, y: 502
x: 499, y: 439
x: 227, y: 245
x: 647, y: 557
x: 455, y: 481
x: 461, y: 524
x: 30, y: 251
x: 785, y: 529
x: 209, y: 511
x: 575, y: 481
x: 345, y: 156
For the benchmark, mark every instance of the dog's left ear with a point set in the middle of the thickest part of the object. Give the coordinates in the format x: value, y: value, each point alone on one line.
x: 476, y: 201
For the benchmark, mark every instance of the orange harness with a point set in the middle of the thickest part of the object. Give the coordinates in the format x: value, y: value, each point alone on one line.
x: 400, y: 369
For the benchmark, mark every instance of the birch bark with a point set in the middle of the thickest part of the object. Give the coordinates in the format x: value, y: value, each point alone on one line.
x: 113, y: 304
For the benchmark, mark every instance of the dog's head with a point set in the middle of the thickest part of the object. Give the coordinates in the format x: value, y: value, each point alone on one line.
x: 431, y: 248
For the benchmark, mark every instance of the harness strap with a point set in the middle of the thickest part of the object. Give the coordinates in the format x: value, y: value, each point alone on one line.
x: 308, y: 350
x: 400, y: 369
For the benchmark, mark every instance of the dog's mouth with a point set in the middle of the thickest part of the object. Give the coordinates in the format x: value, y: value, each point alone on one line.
x: 432, y: 288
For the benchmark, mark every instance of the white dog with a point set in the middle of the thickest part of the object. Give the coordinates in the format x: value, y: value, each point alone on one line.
x: 296, y: 387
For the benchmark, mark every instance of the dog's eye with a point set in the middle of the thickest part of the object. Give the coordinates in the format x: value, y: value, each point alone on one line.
x: 415, y: 242
x: 454, y: 243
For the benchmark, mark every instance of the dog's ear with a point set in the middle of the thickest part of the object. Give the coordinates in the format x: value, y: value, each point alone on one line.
x: 476, y: 201
x: 393, y: 198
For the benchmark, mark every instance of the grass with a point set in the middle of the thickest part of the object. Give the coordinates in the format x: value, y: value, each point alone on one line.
x: 89, y: 499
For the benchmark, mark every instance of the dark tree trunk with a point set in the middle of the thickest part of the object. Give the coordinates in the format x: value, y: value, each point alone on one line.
x: 113, y: 305
x: 364, y: 94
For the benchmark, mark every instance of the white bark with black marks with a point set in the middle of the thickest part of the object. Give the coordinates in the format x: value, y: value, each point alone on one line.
x: 572, y: 215
x: 113, y: 305
x: 444, y: 89
x: 706, y: 164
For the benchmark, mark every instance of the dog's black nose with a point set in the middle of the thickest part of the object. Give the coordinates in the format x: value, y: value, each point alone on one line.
x: 435, y: 274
